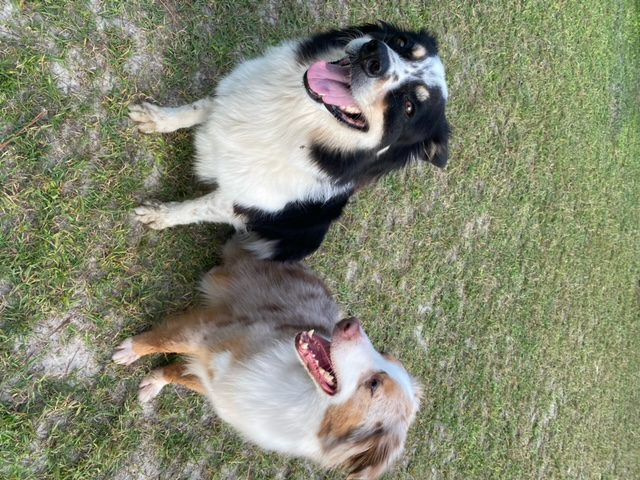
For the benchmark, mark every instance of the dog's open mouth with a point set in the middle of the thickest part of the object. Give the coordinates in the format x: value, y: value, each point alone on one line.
x: 315, y: 353
x: 329, y: 83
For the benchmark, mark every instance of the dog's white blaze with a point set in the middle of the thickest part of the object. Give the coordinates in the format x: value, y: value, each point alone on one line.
x: 434, y: 75
x: 429, y: 70
x: 354, y: 357
x: 399, y: 374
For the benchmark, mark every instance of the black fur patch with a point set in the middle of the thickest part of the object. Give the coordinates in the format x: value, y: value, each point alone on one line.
x: 424, y: 135
x: 317, y: 45
x: 298, y: 228
x: 359, y: 167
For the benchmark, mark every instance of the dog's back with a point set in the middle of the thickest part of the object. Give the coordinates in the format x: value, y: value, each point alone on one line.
x: 277, y: 294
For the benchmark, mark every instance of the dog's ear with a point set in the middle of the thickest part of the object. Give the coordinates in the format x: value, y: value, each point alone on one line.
x: 383, y: 25
x: 436, y: 149
x: 384, y: 446
x: 437, y: 152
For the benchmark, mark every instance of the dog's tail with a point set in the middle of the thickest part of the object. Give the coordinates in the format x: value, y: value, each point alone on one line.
x: 289, y: 246
x: 244, y: 244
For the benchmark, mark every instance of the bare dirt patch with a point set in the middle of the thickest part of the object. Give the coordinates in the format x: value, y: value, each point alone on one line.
x: 73, y: 138
x: 83, y: 72
x: 142, y: 464
x: 72, y: 356
x: 154, y: 180
x: 9, y: 20
x: 5, y: 291
x: 146, y: 61
x: 424, y: 344
x: 477, y: 227
x: 193, y: 470
x: 52, y: 351
x: 352, y: 270
x: 68, y: 77
x: 44, y: 427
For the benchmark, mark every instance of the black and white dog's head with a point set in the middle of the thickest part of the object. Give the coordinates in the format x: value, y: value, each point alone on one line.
x: 385, y: 82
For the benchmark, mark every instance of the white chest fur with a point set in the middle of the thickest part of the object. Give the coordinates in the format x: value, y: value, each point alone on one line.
x: 270, y: 400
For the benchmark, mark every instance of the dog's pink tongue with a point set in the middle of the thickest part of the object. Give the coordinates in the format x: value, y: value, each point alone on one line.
x: 332, y: 82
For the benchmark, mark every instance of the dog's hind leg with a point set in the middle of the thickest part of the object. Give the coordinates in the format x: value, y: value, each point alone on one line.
x: 152, y: 118
x: 208, y: 208
x: 176, y: 373
x: 179, y: 334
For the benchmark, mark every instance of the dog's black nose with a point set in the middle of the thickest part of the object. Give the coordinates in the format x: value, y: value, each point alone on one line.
x: 374, y: 58
x: 349, y: 328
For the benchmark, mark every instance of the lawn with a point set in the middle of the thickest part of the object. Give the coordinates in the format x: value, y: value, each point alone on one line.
x: 509, y: 283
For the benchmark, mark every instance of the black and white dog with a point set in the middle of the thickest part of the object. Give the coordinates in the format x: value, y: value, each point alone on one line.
x: 288, y: 137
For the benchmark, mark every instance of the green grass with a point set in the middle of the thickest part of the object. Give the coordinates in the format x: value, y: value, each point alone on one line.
x: 509, y: 283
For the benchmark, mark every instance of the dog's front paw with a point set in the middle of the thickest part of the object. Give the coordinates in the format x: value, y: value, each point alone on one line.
x: 154, y: 215
x: 149, y: 118
x: 124, y: 354
x: 151, y: 385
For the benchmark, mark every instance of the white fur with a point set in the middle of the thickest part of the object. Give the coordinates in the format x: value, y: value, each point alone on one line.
x: 255, y: 145
x: 270, y: 400
x: 429, y: 70
x: 151, y: 118
x: 151, y: 386
x: 351, y: 358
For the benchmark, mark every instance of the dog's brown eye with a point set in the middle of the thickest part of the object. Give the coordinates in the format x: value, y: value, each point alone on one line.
x: 374, y: 383
x: 408, y: 107
x: 401, y: 41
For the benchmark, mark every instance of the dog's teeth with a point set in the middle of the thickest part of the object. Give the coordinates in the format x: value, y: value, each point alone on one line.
x: 304, y: 346
x: 351, y: 109
x: 327, y: 376
x: 311, y: 332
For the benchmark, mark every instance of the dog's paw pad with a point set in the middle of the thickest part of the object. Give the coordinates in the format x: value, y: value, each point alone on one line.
x: 151, y: 385
x: 124, y: 354
x: 154, y: 215
x: 148, y: 117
